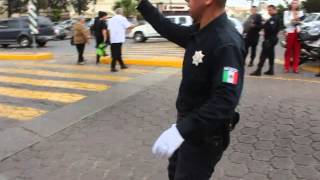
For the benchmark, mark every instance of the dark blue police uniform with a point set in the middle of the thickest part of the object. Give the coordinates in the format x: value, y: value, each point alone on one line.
x: 211, y: 86
x: 271, y: 30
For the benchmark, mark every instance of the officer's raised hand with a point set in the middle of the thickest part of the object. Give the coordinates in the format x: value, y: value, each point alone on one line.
x: 169, y: 141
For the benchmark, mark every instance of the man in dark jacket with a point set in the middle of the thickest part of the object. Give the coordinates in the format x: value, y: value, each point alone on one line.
x: 252, y: 27
x: 271, y: 29
x: 211, y: 86
x: 100, y: 29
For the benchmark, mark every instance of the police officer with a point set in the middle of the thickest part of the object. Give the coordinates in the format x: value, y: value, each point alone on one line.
x: 252, y: 27
x: 271, y: 30
x: 211, y: 86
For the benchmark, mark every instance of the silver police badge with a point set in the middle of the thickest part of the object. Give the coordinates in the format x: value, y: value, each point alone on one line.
x: 197, y: 58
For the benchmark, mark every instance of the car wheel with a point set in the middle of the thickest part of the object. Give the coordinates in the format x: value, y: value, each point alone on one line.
x: 41, y: 44
x: 5, y: 45
x: 24, y: 41
x: 139, y: 37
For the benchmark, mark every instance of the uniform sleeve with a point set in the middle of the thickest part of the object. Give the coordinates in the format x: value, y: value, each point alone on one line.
x: 258, y: 22
x: 173, y: 32
x: 227, y: 83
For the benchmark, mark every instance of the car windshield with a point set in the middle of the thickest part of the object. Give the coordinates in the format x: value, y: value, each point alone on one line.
x: 310, y: 18
x: 45, y: 21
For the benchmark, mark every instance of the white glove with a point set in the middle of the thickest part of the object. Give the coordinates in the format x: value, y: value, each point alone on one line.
x: 168, y: 142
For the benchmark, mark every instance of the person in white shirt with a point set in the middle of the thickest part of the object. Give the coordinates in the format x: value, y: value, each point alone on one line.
x: 292, y: 20
x: 117, y: 27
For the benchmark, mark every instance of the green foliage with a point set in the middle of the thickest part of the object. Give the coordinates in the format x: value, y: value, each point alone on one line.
x: 311, y: 6
x: 80, y: 5
x: 129, y: 7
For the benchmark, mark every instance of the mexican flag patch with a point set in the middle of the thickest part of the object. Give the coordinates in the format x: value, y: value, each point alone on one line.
x: 230, y: 75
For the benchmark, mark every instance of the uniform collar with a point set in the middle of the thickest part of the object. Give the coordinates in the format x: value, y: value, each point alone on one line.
x: 214, y: 24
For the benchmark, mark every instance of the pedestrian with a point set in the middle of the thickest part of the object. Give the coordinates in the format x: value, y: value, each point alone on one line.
x: 118, y: 25
x: 292, y: 20
x: 211, y: 86
x: 271, y: 30
x: 100, y: 29
x: 252, y: 27
x: 81, y: 36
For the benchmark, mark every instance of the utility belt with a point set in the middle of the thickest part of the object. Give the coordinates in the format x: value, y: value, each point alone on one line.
x: 230, y: 126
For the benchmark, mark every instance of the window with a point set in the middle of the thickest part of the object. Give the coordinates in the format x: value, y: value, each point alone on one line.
x: 182, y: 20
x: 3, y: 24
x: 13, y: 24
x: 172, y: 20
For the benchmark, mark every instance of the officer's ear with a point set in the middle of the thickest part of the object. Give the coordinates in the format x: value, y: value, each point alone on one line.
x: 208, y: 2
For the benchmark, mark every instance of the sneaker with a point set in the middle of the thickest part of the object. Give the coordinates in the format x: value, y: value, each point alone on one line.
x: 286, y: 70
x: 296, y: 71
x: 81, y: 63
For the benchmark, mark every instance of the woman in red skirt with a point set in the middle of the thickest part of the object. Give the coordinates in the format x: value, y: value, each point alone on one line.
x: 292, y: 20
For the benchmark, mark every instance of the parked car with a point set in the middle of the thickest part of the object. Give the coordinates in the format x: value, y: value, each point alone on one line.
x: 312, y: 17
x: 60, y: 33
x: 145, y: 31
x: 16, y: 31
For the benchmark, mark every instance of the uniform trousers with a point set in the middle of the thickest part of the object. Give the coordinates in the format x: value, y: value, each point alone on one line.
x: 197, y: 160
x: 268, y: 52
x: 251, y: 42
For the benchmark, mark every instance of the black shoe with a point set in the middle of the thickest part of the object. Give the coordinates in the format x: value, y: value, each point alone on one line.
x: 81, y: 63
x: 270, y: 72
x: 124, y: 67
x: 256, y: 73
x: 114, y: 70
x: 317, y: 75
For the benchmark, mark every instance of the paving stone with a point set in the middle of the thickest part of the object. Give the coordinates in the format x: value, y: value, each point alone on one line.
x: 249, y: 131
x: 302, y: 149
x: 264, y: 145
x: 304, y: 160
x: 284, y: 143
x: 315, y: 130
x: 317, y: 155
x: 282, y: 163
x: 302, y: 140
x: 239, y: 158
x: 283, y: 134
x: 247, y: 139
x: 262, y: 155
x: 315, y: 137
x: 254, y: 176
x: 304, y: 172
x: 236, y: 170
x: 301, y: 132
x: 316, y: 146
x: 282, y: 152
x: 260, y: 167
x: 243, y: 148
x: 281, y: 175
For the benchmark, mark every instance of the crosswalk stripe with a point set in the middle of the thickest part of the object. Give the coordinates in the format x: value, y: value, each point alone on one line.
x: 82, y: 68
x: 53, y: 83
x: 41, y: 95
x: 65, y: 75
x: 19, y: 113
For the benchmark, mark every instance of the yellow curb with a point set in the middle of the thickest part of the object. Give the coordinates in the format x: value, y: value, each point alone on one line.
x: 313, y: 69
x: 26, y: 56
x: 163, y: 62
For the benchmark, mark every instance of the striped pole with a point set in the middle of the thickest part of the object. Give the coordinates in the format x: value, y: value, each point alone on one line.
x: 32, y: 16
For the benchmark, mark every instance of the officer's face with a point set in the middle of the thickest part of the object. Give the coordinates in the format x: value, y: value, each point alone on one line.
x: 271, y: 11
x: 196, y: 8
x: 253, y: 10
